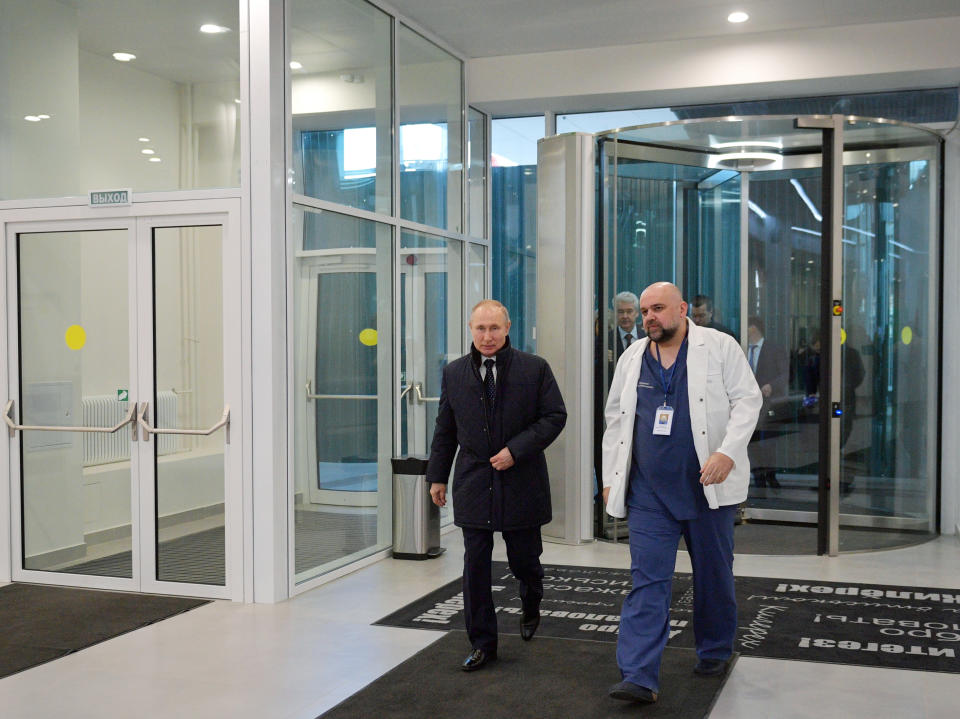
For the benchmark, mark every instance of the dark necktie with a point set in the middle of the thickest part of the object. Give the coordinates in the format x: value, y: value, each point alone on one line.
x: 489, y: 383
x: 627, y: 338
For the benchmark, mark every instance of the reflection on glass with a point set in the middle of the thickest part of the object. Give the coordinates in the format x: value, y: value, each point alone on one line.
x: 431, y: 332
x: 180, y: 94
x: 343, y: 390
x: 513, y: 229
x: 889, y: 356
x: 783, y: 304
x: 188, y: 394
x: 74, y: 359
x: 429, y: 100
x: 342, y: 137
x: 476, y: 172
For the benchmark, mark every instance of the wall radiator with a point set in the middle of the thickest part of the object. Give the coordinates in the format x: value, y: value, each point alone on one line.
x: 104, y: 410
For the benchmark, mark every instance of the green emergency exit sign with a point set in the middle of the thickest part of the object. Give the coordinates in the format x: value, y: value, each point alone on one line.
x: 109, y: 198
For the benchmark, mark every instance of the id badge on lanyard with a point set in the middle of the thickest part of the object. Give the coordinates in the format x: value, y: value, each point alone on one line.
x: 663, y: 419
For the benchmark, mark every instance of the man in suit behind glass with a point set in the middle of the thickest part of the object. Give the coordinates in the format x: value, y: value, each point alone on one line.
x: 501, y: 408
x: 772, y: 370
x: 701, y: 312
x: 626, y: 306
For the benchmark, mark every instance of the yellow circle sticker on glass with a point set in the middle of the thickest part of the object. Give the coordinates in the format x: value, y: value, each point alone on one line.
x: 906, y: 335
x: 75, y: 337
x: 368, y: 337
x: 843, y: 335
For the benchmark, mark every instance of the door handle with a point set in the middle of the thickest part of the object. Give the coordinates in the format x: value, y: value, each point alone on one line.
x: 418, y: 389
x: 13, y: 426
x: 148, y: 430
x: 311, y: 396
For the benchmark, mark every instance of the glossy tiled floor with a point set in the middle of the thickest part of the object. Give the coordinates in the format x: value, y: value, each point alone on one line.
x: 295, y: 659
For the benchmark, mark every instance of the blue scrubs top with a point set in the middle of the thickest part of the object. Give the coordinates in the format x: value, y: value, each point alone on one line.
x: 665, y: 469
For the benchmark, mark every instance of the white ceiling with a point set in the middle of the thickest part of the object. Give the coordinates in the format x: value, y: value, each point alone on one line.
x: 484, y: 28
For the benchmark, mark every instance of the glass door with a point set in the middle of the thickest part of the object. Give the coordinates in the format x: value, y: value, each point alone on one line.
x: 124, y: 389
x: 343, y: 390
x: 431, y: 311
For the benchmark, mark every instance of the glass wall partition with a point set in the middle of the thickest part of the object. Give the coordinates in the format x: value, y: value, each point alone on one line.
x: 382, y: 151
x: 343, y: 389
x: 514, y: 227
x: 477, y: 154
x: 139, y: 95
x: 732, y: 210
x: 430, y: 109
x: 341, y: 89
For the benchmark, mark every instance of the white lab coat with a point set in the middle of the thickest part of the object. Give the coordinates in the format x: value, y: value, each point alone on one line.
x: 724, y: 402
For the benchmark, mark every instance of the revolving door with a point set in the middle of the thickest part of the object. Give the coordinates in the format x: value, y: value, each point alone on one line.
x: 827, y: 274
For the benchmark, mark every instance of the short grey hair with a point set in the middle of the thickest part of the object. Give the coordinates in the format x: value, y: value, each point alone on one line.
x: 624, y: 297
x: 495, y: 305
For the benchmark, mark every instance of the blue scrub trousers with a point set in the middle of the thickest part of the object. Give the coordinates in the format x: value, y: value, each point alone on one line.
x: 645, y: 618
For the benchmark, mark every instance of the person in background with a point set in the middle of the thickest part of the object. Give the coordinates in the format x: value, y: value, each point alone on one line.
x: 626, y: 306
x: 701, y: 312
x: 770, y: 366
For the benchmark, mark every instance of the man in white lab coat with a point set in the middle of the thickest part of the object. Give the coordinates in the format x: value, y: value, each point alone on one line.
x: 681, y: 409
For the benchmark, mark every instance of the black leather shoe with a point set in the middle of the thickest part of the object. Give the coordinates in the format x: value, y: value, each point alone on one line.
x: 528, y: 626
x: 629, y: 692
x: 710, y: 667
x: 477, y: 659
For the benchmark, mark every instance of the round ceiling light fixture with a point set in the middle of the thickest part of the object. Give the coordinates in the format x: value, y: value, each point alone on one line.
x: 211, y: 29
x: 124, y: 56
x: 737, y: 16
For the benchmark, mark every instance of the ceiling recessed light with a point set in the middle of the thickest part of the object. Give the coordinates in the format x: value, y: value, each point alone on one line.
x: 155, y: 159
x: 44, y: 117
x: 294, y: 65
x: 124, y: 56
x: 143, y: 139
x: 236, y: 100
x: 31, y: 118
x: 212, y: 29
x: 737, y: 16
x: 147, y: 151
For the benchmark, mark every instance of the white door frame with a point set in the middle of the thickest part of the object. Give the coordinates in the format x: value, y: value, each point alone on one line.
x: 312, y: 264
x: 139, y: 220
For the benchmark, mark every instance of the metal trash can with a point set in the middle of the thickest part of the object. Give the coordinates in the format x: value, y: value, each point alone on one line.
x: 416, y: 519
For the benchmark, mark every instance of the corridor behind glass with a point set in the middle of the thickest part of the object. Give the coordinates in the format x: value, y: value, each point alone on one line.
x: 729, y: 210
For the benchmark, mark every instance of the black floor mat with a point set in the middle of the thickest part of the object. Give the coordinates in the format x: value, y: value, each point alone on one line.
x: 842, y: 623
x: 542, y: 678
x: 40, y: 623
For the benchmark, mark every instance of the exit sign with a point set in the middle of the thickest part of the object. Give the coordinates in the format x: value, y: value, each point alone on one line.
x: 110, y: 198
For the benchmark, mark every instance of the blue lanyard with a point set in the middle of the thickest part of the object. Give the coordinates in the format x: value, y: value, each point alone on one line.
x: 664, y: 382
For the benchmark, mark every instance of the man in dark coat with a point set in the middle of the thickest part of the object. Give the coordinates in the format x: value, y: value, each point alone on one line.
x: 502, y: 408
x: 771, y: 367
x: 701, y: 312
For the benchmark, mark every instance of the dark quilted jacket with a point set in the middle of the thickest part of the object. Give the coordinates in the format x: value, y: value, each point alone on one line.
x: 528, y: 415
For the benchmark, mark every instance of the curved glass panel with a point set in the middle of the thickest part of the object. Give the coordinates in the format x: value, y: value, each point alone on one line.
x: 889, y: 354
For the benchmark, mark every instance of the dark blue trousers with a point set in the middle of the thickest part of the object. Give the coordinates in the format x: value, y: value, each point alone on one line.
x: 523, y: 554
x: 645, y: 618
